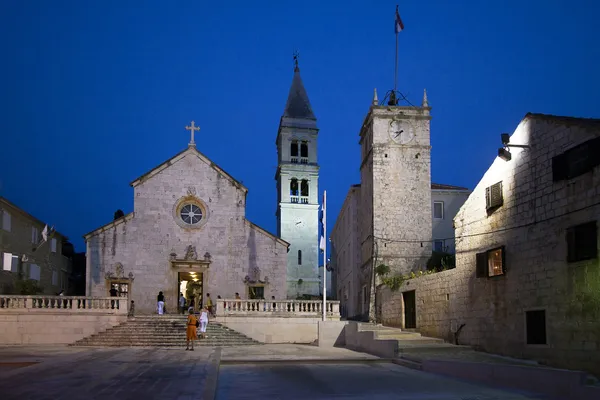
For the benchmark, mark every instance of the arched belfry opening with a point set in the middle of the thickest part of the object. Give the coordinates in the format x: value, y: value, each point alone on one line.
x: 304, y: 190
x: 304, y: 152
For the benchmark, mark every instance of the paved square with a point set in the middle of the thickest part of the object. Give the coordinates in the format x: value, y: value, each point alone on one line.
x: 119, y: 373
x: 373, y: 381
x: 289, y: 372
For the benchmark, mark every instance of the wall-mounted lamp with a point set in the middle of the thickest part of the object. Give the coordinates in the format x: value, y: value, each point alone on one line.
x: 504, y: 152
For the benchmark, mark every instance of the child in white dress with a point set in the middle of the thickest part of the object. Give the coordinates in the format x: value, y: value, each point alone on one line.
x: 203, y: 322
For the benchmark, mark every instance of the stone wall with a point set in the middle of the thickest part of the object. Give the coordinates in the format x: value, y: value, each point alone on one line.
x: 532, y: 226
x: 345, y: 257
x: 32, y: 328
x: 144, y: 240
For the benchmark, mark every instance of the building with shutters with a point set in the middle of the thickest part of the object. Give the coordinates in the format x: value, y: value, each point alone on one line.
x: 24, y: 255
x: 527, y: 276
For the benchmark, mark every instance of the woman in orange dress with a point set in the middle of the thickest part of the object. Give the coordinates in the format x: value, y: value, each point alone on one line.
x: 190, y: 332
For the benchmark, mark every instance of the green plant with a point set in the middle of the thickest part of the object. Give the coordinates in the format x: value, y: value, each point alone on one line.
x: 300, y: 281
x: 394, y: 282
x: 28, y: 287
x: 382, y: 270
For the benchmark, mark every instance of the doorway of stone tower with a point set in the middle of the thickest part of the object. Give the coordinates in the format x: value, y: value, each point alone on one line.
x: 410, y: 310
x: 190, y: 284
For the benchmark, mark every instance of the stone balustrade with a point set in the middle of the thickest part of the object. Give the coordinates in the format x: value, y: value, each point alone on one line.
x: 277, y: 308
x: 66, y: 304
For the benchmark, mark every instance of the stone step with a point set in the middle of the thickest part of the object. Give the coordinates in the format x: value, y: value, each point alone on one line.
x: 161, y: 343
x: 203, y: 342
x: 398, y: 335
x: 159, y: 331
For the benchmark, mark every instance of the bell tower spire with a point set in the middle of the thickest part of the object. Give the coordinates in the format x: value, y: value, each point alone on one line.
x: 297, y: 179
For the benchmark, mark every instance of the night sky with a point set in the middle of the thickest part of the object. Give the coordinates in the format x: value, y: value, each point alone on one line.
x: 96, y: 93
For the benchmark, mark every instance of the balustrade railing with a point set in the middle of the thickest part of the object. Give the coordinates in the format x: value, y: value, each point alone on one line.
x: 112, y: 305
x: 277, y: 308
x: 294, y: 199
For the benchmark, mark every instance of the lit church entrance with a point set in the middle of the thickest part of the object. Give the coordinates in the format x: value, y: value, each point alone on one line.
x: 190, y: 284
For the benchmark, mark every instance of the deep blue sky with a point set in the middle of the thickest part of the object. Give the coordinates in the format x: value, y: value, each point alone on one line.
x: 96, y: 93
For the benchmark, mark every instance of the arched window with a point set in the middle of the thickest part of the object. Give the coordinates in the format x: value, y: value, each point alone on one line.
x: 294, y: 149
x: 304, y: 188
x: 304, y: 149
x: 294, y: 187
x: 299, y: 257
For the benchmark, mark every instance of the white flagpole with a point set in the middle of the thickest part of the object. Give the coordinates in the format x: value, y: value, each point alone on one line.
x: 324, y: 256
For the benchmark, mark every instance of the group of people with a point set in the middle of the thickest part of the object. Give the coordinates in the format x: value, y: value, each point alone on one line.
x: 191, y: 333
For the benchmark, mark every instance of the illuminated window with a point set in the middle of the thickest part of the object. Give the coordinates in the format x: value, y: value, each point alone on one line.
x: 491, y: 263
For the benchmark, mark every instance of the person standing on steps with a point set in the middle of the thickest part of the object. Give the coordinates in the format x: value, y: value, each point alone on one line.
x: 182, y: 303
x: 209, y: 304
x: 204, y: 322
x: 190, y: 332
x: 160, y: 303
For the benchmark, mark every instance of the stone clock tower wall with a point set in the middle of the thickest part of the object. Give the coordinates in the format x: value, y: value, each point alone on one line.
x: 395, y: 202
x: 298, y: 191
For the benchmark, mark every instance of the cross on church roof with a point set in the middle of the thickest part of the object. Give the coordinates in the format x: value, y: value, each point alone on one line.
x: 192, y: 128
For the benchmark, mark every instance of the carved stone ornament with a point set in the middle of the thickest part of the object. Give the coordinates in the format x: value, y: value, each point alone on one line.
x: 191, y: 191
x: 131, y: 276
x: 119, y: 270
x: 207, y: 256
x: 173, y: 256
x: 190, y: 253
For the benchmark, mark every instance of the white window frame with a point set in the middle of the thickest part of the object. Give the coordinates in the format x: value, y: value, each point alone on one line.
x: 11, y: 260
x: 6, y: 221
x: 438, y: 202
x: 53, y: 245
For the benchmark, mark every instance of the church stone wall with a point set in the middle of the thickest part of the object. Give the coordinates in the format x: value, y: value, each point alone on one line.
x: 531, y: 225
x: 144, y: 244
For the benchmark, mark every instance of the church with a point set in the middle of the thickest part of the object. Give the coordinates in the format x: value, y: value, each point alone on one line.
x: 187, y: 233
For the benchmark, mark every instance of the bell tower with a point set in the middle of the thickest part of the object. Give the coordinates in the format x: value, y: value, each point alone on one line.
x: 297, y: 179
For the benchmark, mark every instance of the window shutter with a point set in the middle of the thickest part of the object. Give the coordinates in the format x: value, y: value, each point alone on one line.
x: 594, y: 151
x: 503, y: 250
x: 559, y: 168
x: 481, y: 267
x: 587, y: 241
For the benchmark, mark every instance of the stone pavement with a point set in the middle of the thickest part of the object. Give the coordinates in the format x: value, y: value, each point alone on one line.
x: 373, y: 381
x: 94, y: 373
x: 270, y: 371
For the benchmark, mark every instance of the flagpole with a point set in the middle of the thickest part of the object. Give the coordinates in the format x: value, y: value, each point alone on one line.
x: 396, y: 62
x: 325, y: 255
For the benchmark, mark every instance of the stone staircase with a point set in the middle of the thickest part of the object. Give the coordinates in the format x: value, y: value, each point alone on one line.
x: 390, y: 342
x: 162, y: 331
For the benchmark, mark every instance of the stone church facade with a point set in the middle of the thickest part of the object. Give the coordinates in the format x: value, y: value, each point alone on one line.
x: 297, y: 179
x: 188, y: 225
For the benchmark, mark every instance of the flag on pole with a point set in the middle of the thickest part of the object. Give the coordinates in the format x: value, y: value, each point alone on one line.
x: 45, y: 233
x: 398, y: 25
x: 322, y: 242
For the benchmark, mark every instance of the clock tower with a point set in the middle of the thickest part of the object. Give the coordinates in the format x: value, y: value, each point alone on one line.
x: 297, y: 179
x: 395, y: 195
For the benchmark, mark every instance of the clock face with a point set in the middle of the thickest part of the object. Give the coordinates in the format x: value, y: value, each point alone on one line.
x: 401, y: 131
